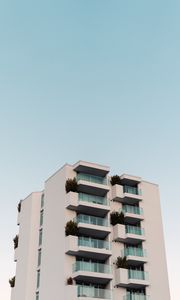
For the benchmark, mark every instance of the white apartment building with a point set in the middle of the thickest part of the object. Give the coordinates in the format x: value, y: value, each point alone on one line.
x: 90, y: 236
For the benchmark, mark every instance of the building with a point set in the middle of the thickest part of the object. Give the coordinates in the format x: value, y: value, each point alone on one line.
x: 89, y: 236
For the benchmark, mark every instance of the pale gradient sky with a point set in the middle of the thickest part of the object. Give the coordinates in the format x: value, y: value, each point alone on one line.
x: 93, y: 80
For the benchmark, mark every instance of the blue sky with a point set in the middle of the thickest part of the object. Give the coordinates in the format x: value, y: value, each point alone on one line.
x: 92, y: 80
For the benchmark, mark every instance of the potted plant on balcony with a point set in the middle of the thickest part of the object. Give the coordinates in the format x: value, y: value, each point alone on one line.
x: 19, y: 206
x: 69, y: 281
x: 115, y: 180
x: 71, y: 228
x: 71, y: 185
x: 117, y: 218
x: 121, y: 262
x: 12, y: 282
x: 15, y: 240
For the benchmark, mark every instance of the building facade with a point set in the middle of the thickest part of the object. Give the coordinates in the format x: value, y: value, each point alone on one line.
x: 90, y: 236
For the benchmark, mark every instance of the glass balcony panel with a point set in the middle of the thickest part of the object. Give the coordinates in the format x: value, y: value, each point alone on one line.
x: 91, y: 220
x: 132, y: 209
x: 92, y: 178
x: 93, y: 243
x: 136, y: 274
x: 134, y: 230
x: 92, y: 292
x: 134, y: 251
x: 91, y: 267
x: 135, y: 296
x: 93, y: 199
x: 131, y: 190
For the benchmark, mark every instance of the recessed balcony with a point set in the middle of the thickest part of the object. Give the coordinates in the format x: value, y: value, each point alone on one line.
x: 136, y: 296
x: 90, y: 292
x: 87, y: 247
x: 135, y: 256
x: 131, y: 278
x: 91, y: 168
x: 83, y: 292
x: 92, y: 184
x: 81, y: 202
x: 126, y: 194
x: 132, y: 214
x: 92, y: 272
x: 128, y: 234
x: 130, y: 180
x: 93, y: 226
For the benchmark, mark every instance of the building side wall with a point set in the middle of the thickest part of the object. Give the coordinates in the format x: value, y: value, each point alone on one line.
x: 156, y: 266
x: 55, y: 264
x: 27, y: 249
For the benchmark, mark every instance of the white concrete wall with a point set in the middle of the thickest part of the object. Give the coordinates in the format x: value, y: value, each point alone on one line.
x: 56, y: 266
x: 156, y: 266
x: 27, y: 252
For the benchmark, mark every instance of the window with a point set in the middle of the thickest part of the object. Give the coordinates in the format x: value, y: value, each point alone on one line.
x: 39, y: 257
x: 37, y: 296
x: 41, y: 217
x: 42, y: 201
x: 40, y: 237
x: 38, y: 278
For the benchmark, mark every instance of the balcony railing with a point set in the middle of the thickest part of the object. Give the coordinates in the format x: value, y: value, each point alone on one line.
x: 91, y: 178
x: 136, y: 274
x: 91, y: 220
x: 93, y: 243
x: 93, y: 199
x: 131, y: 190
x: 134, y: 251
x: 92, y: 292
x: 132, y: 209
x: 91, y: 267
x: 134, y: 230
x: 135, y: 296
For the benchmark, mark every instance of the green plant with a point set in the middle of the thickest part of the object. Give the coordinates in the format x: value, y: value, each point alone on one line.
x: 71, y: 228
x: 115, y: 180
x: 19, y: 206
x: 16, y: 240
x: 71, y: 185
x: 12, y: 281
x: 121, y: 262
x: 117, y: 218
x: 70, y: 281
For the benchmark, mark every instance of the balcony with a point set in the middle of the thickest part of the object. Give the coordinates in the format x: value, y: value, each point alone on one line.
x: 83, y: 292
x: 134, y: 230
x: 128, y: 234
x: 91, y: 168
x: 132, y: 214
x: 135, y: 256
x: 93, y: 226
x: 81, y: 202
x: 92, y: 184
x: 93, y: 293
x: 131, y: 278
x: 130, y: 180
x: 136, y: 296
x: 87, y: 247
x: 126, y: 194
x: 92, y: 272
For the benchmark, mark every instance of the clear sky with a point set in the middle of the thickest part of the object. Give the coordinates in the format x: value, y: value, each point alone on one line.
x: 94, y: 80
